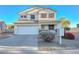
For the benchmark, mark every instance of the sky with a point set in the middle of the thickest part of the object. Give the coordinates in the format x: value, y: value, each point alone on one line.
x: 9, y: 13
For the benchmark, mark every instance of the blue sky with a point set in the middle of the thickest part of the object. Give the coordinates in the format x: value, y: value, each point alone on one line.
x: 9, y: 13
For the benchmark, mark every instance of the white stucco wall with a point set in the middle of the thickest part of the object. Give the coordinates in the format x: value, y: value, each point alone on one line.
x: 4, y: 27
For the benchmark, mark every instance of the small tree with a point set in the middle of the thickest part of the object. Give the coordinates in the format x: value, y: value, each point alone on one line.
x: 10, y: 26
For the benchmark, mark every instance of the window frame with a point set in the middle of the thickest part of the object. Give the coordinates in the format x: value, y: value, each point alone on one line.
x: 51, y: 15
x: 32, y: 16
x: 43, y: 15
x: 23, y: 16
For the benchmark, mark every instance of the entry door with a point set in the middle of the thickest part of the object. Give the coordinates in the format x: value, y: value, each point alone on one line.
x: 51, y: 27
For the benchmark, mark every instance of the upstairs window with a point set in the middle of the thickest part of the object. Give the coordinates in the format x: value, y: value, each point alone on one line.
x: 23, y: 16
x: 51, y: 15
x: 43, y: 15
x: 32, y: 16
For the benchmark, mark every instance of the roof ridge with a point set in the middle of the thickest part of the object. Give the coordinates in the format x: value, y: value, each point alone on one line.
x: 34, y: 8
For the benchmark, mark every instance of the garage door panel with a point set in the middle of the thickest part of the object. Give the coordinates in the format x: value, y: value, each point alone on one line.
x: 27, y: 30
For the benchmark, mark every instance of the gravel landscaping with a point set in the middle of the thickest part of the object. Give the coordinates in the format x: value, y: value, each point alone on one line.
x: 5, y: 35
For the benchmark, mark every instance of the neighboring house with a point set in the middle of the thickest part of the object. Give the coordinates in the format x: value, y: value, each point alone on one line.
x: 75, y: 30
x: 77, y: 25
x: 35, y: 19
x: 2, y: 27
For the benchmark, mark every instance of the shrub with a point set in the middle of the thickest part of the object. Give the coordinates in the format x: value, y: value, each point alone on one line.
x: 0, y: 31
x: 47, y: 36
x: 69, y: 35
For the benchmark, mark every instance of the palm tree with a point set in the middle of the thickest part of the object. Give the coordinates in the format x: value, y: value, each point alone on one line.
x: 65, y: 23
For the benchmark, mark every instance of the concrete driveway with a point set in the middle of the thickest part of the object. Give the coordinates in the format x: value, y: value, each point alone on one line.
x: 19, y: 44
x: 20, y: 40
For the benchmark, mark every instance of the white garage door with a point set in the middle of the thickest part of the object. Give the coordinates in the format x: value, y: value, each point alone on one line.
x: 26, y: 30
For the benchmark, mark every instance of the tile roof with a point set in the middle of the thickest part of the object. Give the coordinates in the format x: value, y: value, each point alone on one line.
x: 33, y: 9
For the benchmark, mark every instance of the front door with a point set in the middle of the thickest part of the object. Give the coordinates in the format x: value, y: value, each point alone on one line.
x: 51, y: 27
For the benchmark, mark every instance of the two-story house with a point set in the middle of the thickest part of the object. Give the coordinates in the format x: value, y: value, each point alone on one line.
x: 34, y: 19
